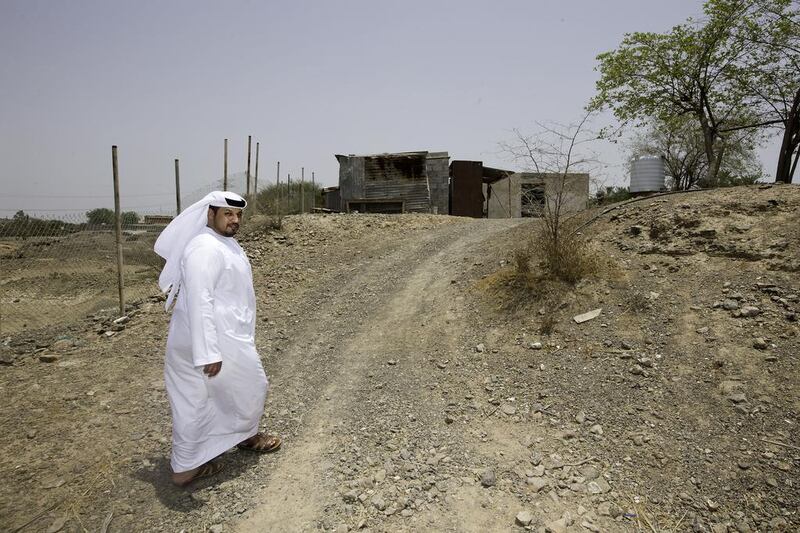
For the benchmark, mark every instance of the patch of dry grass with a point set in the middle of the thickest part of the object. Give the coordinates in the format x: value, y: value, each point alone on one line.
x: 542, y: 274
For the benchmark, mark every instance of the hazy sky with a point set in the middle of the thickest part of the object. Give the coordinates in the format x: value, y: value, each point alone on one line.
x: 307, y: 79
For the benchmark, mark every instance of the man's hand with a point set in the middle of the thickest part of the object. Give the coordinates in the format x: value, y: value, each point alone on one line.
x: 212, y: 369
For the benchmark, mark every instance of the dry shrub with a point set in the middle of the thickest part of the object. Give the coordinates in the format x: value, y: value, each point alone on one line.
x: 636, y: 302
x: 564, y: 253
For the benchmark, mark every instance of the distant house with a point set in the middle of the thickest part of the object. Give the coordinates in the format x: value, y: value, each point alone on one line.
x: 157, y: 219
x: 478, y: 191
x: 406, y: 182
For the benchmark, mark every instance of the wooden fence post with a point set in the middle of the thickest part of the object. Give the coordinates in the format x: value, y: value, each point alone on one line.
x: 302, y: 189
x: 313, y: 192
x: 118, y: 224
x: 255, y: 180
x: 278, y: 188
x: 177, y: 188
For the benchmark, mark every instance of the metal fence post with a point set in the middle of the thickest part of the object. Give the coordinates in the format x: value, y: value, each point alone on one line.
x: 177, y: 188
x: 225, y: 169
x: 249, y: 139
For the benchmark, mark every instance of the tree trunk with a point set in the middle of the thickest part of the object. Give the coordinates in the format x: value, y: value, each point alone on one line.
x: 791, y: 139
x: 708, y: 144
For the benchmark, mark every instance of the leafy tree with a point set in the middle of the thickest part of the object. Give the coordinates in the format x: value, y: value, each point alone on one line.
x: 99, y: 216
x: 768, y: 74
x: 680, y: 142
x: 130, y: 217
x: 738, y: 69
x: 20, y: 216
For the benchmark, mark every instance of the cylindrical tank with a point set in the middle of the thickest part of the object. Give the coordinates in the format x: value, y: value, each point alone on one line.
x: 648, y: 174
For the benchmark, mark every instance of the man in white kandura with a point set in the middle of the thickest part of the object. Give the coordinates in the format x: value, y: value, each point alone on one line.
x: 214, y: 378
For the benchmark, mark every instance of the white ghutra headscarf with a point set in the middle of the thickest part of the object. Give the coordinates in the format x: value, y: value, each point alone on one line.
x: 183, y: 228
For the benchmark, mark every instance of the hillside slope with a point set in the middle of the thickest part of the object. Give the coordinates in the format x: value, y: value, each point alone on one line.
x: 409, y: 402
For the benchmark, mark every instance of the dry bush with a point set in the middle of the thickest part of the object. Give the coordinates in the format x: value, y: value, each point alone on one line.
x: 565, y: 254
x: 637, y: 302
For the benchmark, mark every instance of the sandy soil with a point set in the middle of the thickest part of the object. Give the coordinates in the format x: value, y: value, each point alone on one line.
x: 409, y: 401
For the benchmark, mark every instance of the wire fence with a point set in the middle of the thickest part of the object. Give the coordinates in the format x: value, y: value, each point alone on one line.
x: 57, y: 269
x: 60, y: 269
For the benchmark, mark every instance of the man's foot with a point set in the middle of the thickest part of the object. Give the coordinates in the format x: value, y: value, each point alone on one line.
x: 183, y: 479
x: 261, y: 443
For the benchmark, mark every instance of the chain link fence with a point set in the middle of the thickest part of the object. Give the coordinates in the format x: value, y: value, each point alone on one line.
x: 58, y: 269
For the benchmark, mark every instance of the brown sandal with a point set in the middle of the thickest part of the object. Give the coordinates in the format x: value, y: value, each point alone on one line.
x: 205, y: 470
x: 261, y: 443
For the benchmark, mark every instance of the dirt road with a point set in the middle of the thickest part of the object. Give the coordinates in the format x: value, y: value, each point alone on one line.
x: 407, y: 402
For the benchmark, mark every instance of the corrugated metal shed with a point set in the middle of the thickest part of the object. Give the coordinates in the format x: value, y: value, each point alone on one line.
x: 404, y: 181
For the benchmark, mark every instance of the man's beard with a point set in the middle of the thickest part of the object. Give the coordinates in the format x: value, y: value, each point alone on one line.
x: 231, y: 230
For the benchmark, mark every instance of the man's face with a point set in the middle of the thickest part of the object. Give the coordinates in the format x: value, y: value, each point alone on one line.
x: 225, y: 221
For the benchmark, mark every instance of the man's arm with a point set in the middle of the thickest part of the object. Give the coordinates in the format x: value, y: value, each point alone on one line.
x: 203, y: 266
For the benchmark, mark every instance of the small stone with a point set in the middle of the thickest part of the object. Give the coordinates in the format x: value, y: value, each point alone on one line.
x: 122, y: 320
x: 378, y: 503
x: 730, y: 305
x: 350, y: 496
x: 750, y: 311
x: 557, y: 526
x: 61, y: 345
x: 535, y: 346
x: 636, y: 370
x: 598, y: 486
x: 488, y: 478
x: 480, y: 348
x: 760, y: 344
x: 625, y: 345
x: 609, y: 509
x: 597, y: 429
x: 406, y: 513
x: 342, y: 528
x: 737, y: 398
x: 216, y: 528
x: 585, y: 317
x: 744, y: 465
x: 523, y: 518
x: 580, y: 418
x: 49, y: 357
x: 508, y: 409
x: 380, y: 475
x: 537, y: 483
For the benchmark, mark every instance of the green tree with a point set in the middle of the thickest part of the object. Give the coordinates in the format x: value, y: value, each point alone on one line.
x: 130, y: 217
x: 768, y: 74
x: 680, y: 143
x: 99, y: 216
x: 677, y: 74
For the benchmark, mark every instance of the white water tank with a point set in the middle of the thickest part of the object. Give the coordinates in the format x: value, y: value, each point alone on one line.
x: 648, y: 174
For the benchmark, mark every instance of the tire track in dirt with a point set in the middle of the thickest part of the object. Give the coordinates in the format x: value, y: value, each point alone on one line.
x: 370, y: 384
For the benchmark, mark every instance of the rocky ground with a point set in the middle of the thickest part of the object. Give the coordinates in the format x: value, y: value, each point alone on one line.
x: 410, y: 401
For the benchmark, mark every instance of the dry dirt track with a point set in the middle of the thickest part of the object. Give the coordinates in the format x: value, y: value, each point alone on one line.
x: 407, y: 404
x: 386, y: 329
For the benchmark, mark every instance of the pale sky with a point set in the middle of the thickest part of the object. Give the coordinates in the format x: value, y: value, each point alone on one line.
x: 307, y: 79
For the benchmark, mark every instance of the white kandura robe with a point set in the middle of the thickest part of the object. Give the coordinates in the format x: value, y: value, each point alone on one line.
x: 213, y: 320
